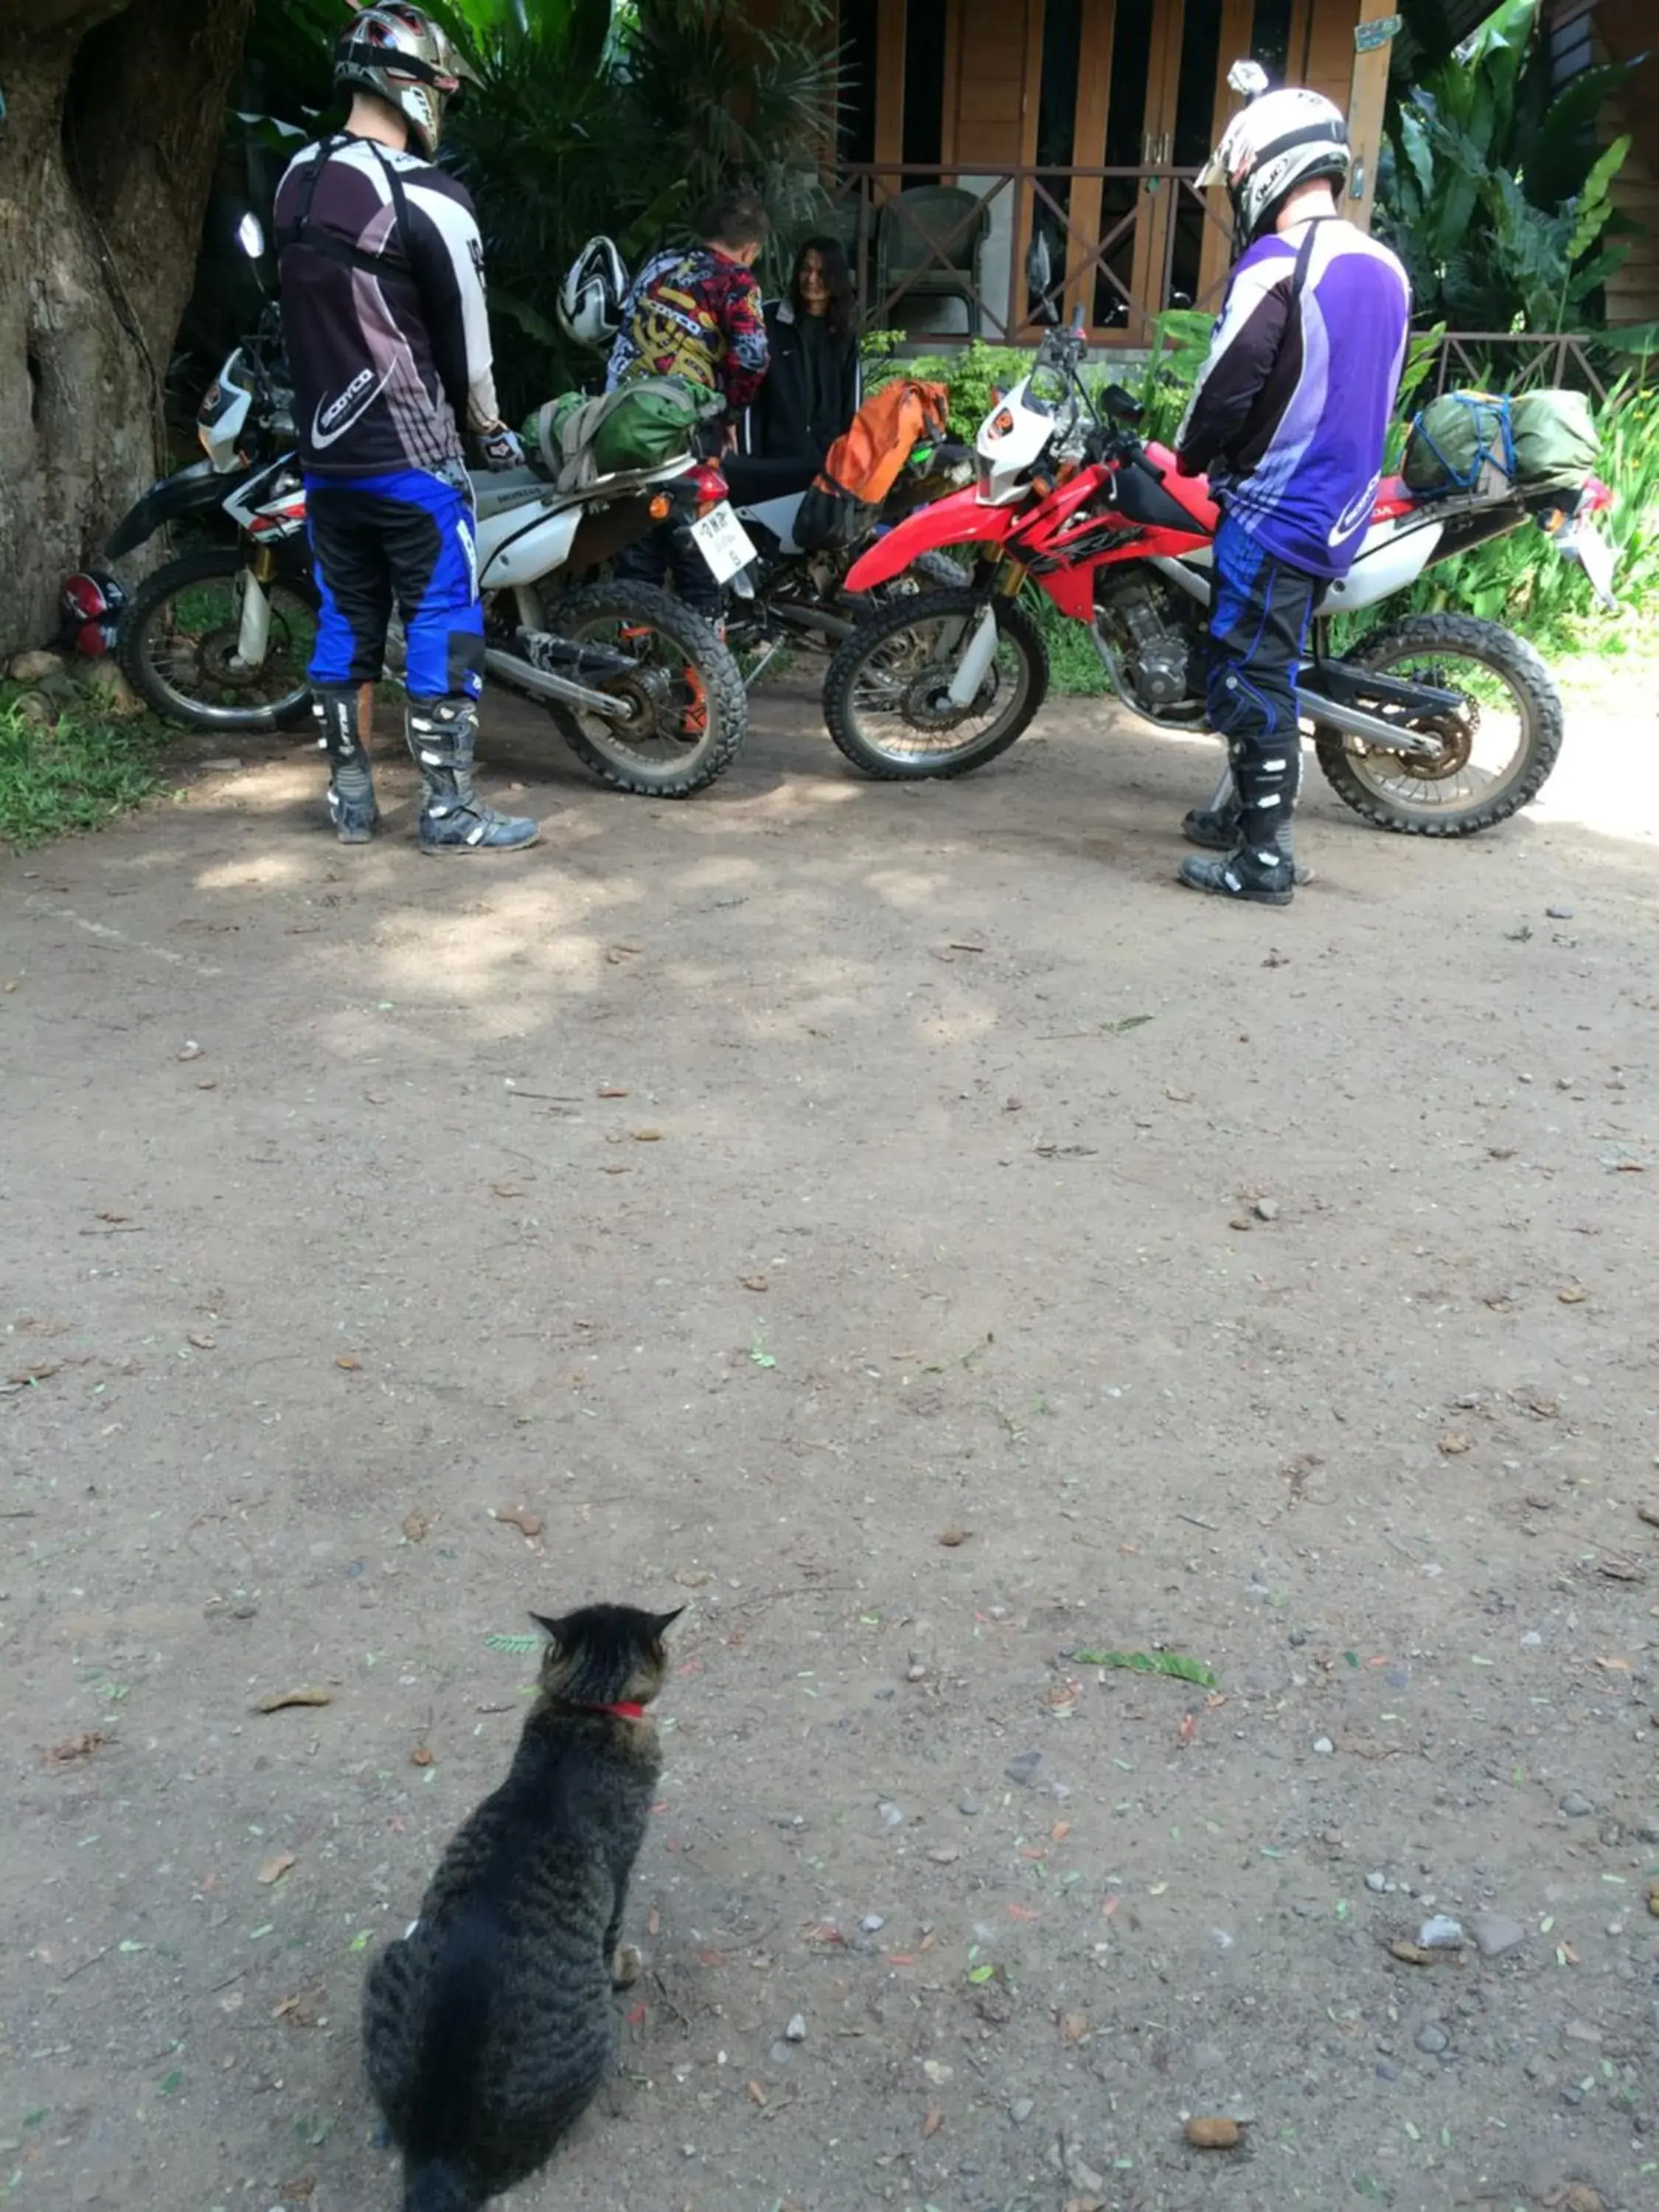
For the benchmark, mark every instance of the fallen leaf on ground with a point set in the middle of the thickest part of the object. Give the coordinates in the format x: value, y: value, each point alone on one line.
x: 1624, y: 1570
x: 507, y: 1190
x: 1073, y: 2026
x: 647, y: 1136
x: 75, y: 1747
x: 1188, y: 1727
x: 109, y: 1214
x: 528, y: 1524
x: 692, y: 1577
x: 420, y: 1756
x: 348, y: 1363
x: 617, y: 953
x: 653, y: 1922
x: 1452, y: 1442
x: 39, y: 1372
x: 1649, y: 1513
x: 1414, y: 1954
x: 952, y: 1537
x: 305, y: 2008
x: 1572, y: 1294
x: 610, y: 1090
x: 1213, y: 2134
x: 279, y: 1700
x: 754, y: 1282
x: 756, y: 2093
x: 418, y: 1524
x: 935, y: 2119
x: 201, y: 1340
x: 1178, y: 1097
x: 274, y: 1869
x: 1151, y: 1663
x: 191, y: 1051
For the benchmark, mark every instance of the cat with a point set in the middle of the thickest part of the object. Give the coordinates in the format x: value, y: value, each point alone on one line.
x: 489, y: 2026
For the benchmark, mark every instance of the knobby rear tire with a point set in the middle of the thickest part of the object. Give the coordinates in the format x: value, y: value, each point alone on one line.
x: 1529, y: 682
x: 724, y: 697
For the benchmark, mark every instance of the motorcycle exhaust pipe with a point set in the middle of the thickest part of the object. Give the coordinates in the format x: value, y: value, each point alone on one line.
x: 976, y: 663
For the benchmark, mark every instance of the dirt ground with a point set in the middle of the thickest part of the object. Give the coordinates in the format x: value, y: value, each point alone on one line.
x: 904, y: 1223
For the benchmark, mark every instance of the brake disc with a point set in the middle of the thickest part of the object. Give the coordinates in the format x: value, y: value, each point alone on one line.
x: 927, y: 704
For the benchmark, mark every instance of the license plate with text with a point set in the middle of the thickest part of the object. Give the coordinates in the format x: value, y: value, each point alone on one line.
x: 724, y: 542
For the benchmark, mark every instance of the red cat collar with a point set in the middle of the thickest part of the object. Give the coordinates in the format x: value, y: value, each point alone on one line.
x: 621, y: 1712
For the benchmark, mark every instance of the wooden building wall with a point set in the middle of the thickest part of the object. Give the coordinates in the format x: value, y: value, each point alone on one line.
x: 1620, y: 30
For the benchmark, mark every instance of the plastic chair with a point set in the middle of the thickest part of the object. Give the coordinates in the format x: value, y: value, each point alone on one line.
x: 926, y: 244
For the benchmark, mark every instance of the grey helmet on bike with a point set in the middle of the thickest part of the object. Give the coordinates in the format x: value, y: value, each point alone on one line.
x: 591, y: 298
x: 1280, y: 141
x: 395, y: 53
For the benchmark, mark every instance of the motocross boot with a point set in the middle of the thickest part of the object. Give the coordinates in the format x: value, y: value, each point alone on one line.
x: 1261, y: 868
x: 1216, y: 827
x: 351, y: 779
x: 443, y: 736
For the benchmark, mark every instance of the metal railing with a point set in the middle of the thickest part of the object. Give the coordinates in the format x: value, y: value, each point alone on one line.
x: 1025, y: 196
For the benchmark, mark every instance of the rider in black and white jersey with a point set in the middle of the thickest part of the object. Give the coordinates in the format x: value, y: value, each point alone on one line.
x: 388, y: 340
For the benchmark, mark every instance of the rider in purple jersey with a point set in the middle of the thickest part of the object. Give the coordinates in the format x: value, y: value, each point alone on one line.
x: 1288, y: 419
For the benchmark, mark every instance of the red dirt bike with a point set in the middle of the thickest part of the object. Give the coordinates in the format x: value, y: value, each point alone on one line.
x: 1439, y: 726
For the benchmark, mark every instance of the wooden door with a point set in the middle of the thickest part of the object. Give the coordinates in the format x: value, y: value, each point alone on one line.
x: 1152, y: 231
x: 1152, y: 93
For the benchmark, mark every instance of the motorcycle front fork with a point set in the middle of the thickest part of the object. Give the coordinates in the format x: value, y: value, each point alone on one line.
x: 254, y: 634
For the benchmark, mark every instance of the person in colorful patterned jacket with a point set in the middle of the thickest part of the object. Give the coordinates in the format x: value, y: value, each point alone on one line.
x: 1288, y: 420
x: 695, y: 313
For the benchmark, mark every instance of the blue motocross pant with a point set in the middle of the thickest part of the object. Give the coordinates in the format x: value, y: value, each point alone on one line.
x: 1260, y: 610
x: 405, y: 537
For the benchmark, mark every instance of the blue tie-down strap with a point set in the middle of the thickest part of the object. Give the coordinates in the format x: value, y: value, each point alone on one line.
x: 1502, y: 426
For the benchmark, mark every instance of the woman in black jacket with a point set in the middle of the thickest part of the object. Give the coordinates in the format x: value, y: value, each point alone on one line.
x: 812, y: 388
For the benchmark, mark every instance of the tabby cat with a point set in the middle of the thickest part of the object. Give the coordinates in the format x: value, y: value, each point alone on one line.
x: 491, y: 2026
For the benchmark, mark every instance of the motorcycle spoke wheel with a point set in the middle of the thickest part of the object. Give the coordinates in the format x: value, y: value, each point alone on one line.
x: 1492, y: 751
x: 887, y: 697
x: 690, y: 712
x: 178, y: 638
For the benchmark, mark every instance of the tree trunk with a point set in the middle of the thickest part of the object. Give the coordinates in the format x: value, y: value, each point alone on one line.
x: 111, y: 129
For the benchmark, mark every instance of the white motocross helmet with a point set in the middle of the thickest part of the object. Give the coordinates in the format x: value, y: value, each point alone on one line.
x: 591, y: 298
x: 1281, y: 140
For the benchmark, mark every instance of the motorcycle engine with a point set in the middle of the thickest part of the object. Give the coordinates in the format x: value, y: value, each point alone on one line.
x: 1153, y: 646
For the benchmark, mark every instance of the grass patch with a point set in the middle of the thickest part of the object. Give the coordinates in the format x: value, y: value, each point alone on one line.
x: 78, y: 775
x: 1074, y: 666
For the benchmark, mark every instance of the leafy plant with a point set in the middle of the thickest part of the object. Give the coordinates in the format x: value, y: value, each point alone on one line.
x: 1491, y: 189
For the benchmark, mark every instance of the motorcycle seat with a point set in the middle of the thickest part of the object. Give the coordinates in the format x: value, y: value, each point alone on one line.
x: 494, y: 490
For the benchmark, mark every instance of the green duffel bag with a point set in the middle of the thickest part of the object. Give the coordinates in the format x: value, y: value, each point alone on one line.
x: 1462, y: 441
x: 641, y: 425
x: 1556, y: 444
